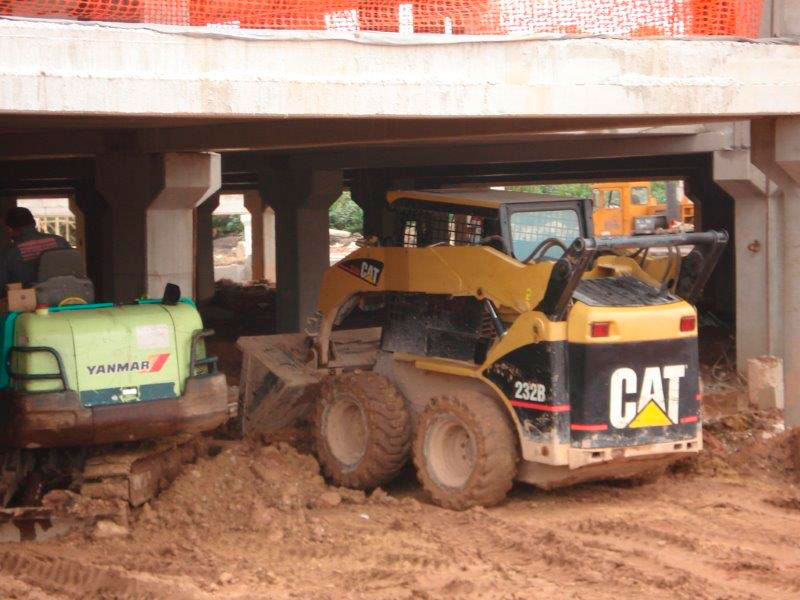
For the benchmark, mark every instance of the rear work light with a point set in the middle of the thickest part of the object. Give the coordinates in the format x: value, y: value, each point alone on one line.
x: 600, y: 329
x: 687, y: 323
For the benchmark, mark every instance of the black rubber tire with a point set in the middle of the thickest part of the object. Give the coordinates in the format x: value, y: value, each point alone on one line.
x: 493, y: 439
x: 387, y: 425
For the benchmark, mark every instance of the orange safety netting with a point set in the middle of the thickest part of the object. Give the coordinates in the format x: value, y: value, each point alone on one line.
x: 637, y: 18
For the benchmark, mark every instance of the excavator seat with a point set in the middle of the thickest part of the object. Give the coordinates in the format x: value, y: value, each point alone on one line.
x: 62, y: 279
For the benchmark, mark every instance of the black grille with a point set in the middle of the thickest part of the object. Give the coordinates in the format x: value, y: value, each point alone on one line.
x: 620, y: 291
x: 420, y: 227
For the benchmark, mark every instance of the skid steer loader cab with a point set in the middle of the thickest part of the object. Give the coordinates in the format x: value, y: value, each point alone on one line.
x: 522, y: 347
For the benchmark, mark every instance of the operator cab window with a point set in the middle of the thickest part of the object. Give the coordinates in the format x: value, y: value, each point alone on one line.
x: 421, y: 227
x: 612, y: 198
x: 639, y: 196
x: 531, y: 228
x: 597, y: 199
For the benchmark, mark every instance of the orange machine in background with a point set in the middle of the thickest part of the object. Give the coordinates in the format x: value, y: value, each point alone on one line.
x: 629, y: 208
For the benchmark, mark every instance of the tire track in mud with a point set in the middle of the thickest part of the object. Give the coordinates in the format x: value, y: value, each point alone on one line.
x: 724, y: 565
x: 561, y: 559
x: 80, y: 580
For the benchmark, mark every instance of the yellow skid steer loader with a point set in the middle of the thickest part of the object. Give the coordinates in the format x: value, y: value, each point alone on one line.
x: 508, y: 343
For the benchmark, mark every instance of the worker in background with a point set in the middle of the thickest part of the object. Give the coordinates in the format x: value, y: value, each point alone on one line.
x: 20, y: 259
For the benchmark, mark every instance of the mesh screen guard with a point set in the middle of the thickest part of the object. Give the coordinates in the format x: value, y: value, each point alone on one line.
x: 634, y: 18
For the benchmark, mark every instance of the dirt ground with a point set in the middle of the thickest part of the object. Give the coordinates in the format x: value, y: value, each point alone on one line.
x: 258, y: 521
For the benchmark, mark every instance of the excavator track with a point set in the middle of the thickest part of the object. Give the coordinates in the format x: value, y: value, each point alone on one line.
x: 139, y: 474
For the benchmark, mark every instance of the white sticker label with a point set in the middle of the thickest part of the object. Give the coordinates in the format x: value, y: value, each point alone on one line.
x: 149, y: 337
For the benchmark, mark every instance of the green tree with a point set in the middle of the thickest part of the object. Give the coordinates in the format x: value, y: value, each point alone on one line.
x: 225, y: 225
x: 659, y: 191
x: 346, y: 214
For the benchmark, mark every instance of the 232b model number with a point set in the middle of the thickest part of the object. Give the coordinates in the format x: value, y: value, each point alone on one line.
x: 526, y: 390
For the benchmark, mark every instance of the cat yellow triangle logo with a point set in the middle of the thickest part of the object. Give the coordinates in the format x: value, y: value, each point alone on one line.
x: 651, y: 416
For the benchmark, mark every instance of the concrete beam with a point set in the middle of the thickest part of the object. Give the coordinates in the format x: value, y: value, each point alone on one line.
x: 304, y: 133
x: 80, y: 68
x: 565, y: 147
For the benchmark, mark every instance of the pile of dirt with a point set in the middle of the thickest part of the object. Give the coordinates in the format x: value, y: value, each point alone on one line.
x: 243, y: 298
x: 750, y: 443
x: 237, y: 310
x: 245, y: 487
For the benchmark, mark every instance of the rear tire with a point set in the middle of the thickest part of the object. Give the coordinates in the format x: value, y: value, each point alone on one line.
x: 465, y: 452
x: 362, y: 430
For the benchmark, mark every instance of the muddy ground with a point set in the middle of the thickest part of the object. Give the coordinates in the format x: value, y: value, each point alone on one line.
x: 258, y: 521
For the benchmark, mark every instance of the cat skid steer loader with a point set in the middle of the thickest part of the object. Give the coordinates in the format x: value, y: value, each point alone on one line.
x: 509, y: 343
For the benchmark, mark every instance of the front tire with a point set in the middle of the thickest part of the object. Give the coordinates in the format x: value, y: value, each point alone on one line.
x: 362, y: 430
x: 465, y: 452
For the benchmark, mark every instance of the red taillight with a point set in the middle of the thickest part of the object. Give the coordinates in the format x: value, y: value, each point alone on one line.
x: 687, y: 323
x: 600, y: 329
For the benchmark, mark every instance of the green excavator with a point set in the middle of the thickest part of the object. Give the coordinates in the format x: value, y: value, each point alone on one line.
x: 101, y: 399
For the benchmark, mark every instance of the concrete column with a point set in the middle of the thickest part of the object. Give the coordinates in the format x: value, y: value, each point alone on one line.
x: 246, y: 219
x: 204, y: 249
x: 270, y: 262
x: 368, y: 190
x: 734, y: 173
x: 98, y: 249
x: 80, y: 227
x: 776, y: 151
x: 6, y: 202
x: 301, y: 199
x: 152, y: 198
x: 255, y: 206
x: 127, y: 182
x: 263, y: 236
x: 189, y: 179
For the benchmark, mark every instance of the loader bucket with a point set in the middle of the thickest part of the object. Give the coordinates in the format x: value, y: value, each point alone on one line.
x: 281, y: 380
x: 278, y: 384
